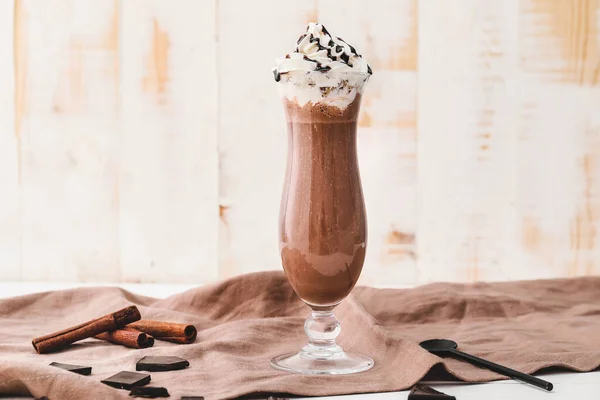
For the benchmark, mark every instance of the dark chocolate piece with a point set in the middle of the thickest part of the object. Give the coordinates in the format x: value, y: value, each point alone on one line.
x: 161, y: 363
x: 78, y: 369
x: 149, y: 392
x: 424, y: 392
x: 127, y: 380
x: 192, y: 397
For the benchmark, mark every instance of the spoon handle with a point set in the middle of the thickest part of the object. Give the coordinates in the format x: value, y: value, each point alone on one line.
x: 480, y: 362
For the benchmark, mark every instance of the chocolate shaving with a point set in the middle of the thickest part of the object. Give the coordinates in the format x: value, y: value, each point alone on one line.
x: 369, y: 70
x: 325, y: 31
x: 322, y: 68
x: 300, y: 38
x: 308, y: 59
x: 276, y: 75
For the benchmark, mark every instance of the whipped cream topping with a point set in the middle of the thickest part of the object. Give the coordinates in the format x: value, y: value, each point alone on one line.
x: 318, y: 50
x: 322, y: 69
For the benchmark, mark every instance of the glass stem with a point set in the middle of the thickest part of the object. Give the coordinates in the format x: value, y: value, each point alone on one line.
x: 322, y: 328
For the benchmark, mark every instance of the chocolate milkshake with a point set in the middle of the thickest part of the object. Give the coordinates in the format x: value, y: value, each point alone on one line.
x: 322, y: 222
x: 323, y: 230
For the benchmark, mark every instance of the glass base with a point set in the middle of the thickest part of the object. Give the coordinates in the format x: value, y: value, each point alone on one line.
x: 340, y: 364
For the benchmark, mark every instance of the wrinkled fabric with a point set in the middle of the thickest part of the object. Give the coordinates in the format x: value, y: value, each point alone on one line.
x: 244, y: 322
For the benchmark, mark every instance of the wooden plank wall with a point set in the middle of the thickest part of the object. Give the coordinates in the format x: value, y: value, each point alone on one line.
x: 144, y: 140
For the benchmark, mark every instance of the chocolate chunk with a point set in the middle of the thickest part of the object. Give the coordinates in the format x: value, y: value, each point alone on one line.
x: 149, y: 392
x: 161, y: 363
x: 192, y: 397
x: 424, y: 392
x: 78, y: 369
x: 127, y: 380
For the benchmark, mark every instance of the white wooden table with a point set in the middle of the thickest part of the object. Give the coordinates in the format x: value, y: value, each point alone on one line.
x: 566, y: 385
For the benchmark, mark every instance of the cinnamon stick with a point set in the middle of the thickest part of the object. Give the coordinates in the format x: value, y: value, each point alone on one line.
x: 168, y: 331
x: 61, y: 339
x: 128, y: 337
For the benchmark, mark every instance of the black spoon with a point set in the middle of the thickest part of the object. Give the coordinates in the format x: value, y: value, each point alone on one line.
x: 444, y: 346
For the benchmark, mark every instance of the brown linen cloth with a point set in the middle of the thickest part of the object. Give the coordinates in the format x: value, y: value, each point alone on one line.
x: 246, y: 321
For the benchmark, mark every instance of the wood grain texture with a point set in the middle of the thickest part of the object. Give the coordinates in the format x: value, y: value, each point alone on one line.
x: 169, y: 178
x: 387, y: 129
x: 252, y: 139
x: 66, y: 122
x: 133, y: 147
x: 468, y: 79
x: 10, y: 229
x: 559, y: 138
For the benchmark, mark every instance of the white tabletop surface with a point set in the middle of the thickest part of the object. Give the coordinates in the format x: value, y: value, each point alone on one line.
x: 567, y: 385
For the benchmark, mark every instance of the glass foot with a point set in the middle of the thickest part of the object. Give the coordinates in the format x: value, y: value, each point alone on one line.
x: 340, y: 364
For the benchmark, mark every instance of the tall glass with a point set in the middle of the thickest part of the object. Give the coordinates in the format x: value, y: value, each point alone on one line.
x: 322, y: 221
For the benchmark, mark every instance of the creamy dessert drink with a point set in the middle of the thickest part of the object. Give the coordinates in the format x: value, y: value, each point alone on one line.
x: 323, y: 231
x: 322, y: 223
